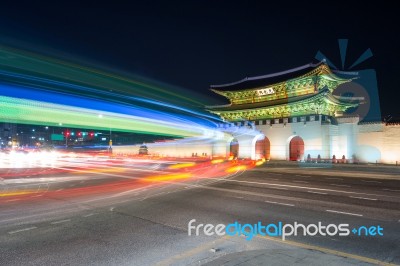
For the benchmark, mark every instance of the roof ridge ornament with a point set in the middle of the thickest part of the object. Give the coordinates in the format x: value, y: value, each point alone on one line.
x: 272, y: 75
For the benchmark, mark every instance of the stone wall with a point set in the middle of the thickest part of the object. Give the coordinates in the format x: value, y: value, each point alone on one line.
x: 366, y: 142
x: 371, y: 143
x: 178, y: 148
x: 378, y: 142
x: 280, y: 135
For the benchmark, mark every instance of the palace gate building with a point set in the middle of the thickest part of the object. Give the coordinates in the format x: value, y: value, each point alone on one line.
x: 305, y: 113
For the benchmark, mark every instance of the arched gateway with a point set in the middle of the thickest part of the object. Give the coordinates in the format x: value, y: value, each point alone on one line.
x: 296, y: 149
x: 263, y: 147
x: 234, y: 148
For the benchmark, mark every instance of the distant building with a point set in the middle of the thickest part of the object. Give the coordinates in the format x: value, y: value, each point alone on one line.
x: 7, y: 133
x: 143, y: 150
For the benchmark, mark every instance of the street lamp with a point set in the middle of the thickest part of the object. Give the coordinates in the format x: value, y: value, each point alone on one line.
x: 66, y: 138
x: 110, y: 141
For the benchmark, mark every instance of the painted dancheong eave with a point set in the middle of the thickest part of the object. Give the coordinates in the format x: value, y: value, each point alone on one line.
x: 303, y: 94
x: 306, y: 80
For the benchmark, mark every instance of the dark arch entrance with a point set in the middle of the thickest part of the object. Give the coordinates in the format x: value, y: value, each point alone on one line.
x: 234, y: 148
x: 263, y: 148
x: 296, y: 149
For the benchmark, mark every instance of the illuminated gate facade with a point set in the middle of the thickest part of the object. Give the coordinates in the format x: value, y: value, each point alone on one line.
x: 296, y: 102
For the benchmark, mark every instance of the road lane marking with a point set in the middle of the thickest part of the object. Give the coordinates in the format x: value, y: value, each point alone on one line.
x: 59, y: 189
x: 316, y: 192
x: 12, y: 200
x: 371, y: 181
x: 347, y: 213
x: 301, y: 187
x: 299, y: 181
x: 362, y: 198
x: 61, y: 221
x: 303, y: 175
x: 134, y: 191
x: 154, y: 195
x: 112, y: 196
x: 280, y: 203
x: 88, y: 215
x: 281, y: 188
x: 333, y: 178
x: 36, y: 196
x: 339, y: 185
x: 393, y: 190
x: 22, y: 230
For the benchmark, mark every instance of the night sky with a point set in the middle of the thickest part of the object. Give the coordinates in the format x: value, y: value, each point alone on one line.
x: 194, y: 44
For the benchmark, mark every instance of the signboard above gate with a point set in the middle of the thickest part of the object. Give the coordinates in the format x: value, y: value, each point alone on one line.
x: 265, y: 91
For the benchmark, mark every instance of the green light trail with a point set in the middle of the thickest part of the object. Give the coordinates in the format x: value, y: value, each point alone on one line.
x: 14, y: 110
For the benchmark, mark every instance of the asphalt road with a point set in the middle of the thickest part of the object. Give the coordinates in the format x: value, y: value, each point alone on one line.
x: 98, y: 218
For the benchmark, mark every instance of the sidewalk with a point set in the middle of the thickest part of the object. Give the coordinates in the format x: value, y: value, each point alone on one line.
x: 334, y: 165
x: 343, y: 170
x: 285, y: 257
